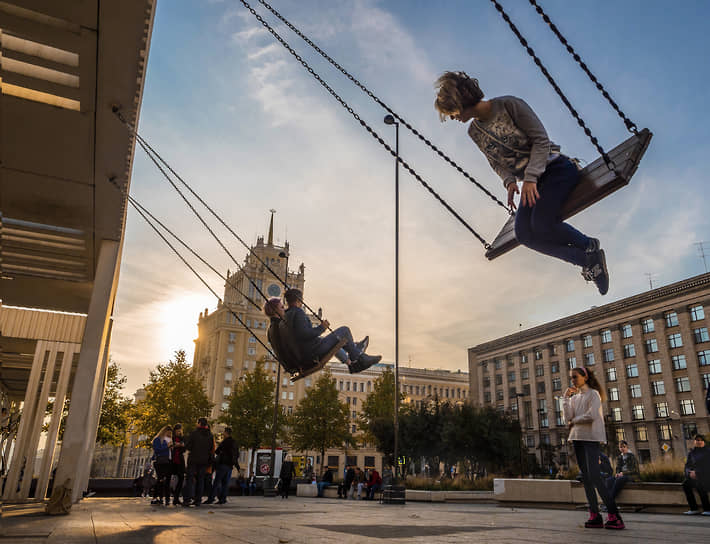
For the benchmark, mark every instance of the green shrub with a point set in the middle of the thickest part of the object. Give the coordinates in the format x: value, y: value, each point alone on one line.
x: 457, y: 484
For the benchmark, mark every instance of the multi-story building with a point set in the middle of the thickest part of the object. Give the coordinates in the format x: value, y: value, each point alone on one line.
x: 650, y: 352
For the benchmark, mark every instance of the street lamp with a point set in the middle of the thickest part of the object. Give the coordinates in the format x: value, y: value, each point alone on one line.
x: 389, y: 120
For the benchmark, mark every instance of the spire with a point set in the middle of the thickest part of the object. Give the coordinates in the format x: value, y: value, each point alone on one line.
x: 271, y: 229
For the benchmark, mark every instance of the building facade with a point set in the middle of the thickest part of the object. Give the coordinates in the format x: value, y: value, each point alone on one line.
x: 650, y: 352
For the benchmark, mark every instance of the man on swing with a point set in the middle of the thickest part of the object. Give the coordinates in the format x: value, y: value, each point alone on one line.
x: 294, y: 323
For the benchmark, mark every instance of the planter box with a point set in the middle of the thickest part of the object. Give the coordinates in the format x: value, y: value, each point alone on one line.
x: 307, y: 490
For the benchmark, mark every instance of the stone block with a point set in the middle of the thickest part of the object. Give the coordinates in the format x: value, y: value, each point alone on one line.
x: 306, y: 490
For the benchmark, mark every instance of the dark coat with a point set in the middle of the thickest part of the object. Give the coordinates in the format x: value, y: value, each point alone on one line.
x: 699, y: 461
x: 288, y: 471
x: 328, y: 477
x: 199, y: 443
x: 349, y: 477
x: 278, y: 338
x: 227, y: 452
x: 604, y: 465
x: 305, y: 335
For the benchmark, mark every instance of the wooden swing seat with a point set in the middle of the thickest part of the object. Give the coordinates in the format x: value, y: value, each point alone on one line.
x: 315, y: 365
x: 597, y: 181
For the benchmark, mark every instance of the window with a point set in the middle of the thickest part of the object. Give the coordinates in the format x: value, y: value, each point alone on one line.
x: 613, y: 393
x: 509, y: 358
x: 227, y: 376
x: 664, y: 431
x: 227, y: 391
x: 251, y: 351
x: 530, y: 441
x: 499, y: 379
x: 569, y: 346
x: 641, y: 432
x: 571, y: 362
x: 687, y: 407
x: 554, y: 367
x: 540, y: 387
x: 246, y: 364
x: 637, y: 412
x: 682, y: 384
x: 647, y: 326
x: 654, y: 366
x: 556, y: 384
x: 308, y: 382
x: 354, y: 401
x: 635, y: 391
x: 487, y: 396
x: 606, y: 336
x: 524, y: 373
x: 499, y: 395
x: 679, y: 362
x: 225, y: 406
x: 620, y: 434
x: 252, y: 340
x: 526, y: 389
x: 701, y: 335
x: 651, y: 345
x: 608, y: 355
x: 675, y: 341
x: 539, y: 370
x: 498, y: 364
x: 523, y: 358
x: 704, y: 357
x: 587, y: 340
x: 588, y: 359
x: 229, y: 363
x: 290, y: 395
x: 511, y: 376
x: 632, y: 371
x: 611, y: 374
x: 626, y: 331
x: 671, y: 319
x: 538, y: 355
x: 662, y: 409
x: 512, y: 392
x: 689, y: 430
x: 230, y: 348
x: 486, y: 383
x: 658, y: 388
x: 232, y: 337
x: 616, y: 414
x: 697, y: 313
x: 541, y: 406
x: 706, y: 381
x: 629, y: 350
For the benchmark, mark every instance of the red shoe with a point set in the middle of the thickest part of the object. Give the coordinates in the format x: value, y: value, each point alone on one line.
x: 595, y: 521
x: 614, y: 522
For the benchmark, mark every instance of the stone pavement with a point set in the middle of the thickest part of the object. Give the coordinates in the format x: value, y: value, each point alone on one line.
x: 300, y: 520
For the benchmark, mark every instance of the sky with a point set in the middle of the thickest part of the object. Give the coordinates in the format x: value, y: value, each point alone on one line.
x: 250, y: 129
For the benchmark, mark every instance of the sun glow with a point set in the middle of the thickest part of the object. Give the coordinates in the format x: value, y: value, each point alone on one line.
x: 178, y: 327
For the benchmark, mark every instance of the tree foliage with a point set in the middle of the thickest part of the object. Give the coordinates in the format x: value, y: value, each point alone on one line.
x: 115, y: 409
x: 173, y: 395
x: 320, y: 420
x: 377, y: 414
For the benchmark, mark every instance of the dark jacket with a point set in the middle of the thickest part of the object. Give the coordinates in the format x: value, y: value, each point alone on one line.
x: 160, y: 448
x: 306, y: 336
x: 199, y: 443
x: 327, y: 477
x: 349, y: 477
x: 699, y: 461
x: 278, y: 338
x: 288, y: 471
x: 604, y: 466
x: 629, y: 466
x: 227, y: 452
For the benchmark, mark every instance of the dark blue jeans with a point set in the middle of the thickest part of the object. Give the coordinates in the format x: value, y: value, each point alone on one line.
x: 541, y: 228
x: 588, y: 460
x: 220, y: 488
x: 616, y: 484
x: 349, y: 349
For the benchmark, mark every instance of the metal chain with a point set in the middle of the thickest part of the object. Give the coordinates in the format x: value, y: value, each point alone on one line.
x: 384, y: 106
x: 610, y: 164
x: 628, y: 122
x: 366, y: 126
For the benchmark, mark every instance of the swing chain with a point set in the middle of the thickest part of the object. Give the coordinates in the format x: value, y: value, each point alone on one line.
x: 610, y: 163
x: 630, y: 125
x: 382, y: 104
x: 369, y: 129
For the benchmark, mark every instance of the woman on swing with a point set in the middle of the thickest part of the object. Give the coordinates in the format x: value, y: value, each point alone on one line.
x: 516, y: 145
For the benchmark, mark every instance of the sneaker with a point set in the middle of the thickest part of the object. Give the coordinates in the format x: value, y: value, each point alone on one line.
x: 209, y: 501
x: 614, y: 522
x: 594, y: 245
x: 362, y: 344
x: 692, y: 513
x: 706, y: 513
x: 595, y: 521
x: 364, y: 362
x: 597, y: 271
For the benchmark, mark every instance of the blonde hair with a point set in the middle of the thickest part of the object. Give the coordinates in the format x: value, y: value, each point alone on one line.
x: 456, y: 92
x: 161, y: 432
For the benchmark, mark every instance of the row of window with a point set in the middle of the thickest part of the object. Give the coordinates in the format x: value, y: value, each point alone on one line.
x: 663, y: 429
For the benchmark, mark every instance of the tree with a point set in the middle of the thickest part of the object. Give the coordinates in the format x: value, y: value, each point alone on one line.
x: 173, y: 395
x: 377, y: 415
x: 251, y: 410
x: 320, y: 420
x: 115, y: 409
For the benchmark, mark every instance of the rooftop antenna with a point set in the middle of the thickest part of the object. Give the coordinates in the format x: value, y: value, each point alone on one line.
x: 702, y: 248
x: 650, y: 276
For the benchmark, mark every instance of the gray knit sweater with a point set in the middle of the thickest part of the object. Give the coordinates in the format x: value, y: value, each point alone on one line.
x: 514, y: 140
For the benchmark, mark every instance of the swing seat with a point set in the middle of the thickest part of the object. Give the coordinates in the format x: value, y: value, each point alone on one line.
x: 315, y: 365
x: 597, y: 181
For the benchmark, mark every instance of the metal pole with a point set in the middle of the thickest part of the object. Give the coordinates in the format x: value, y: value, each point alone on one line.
x: 396, y: 301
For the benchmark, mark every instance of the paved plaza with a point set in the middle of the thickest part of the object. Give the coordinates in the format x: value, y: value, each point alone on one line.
x: 298, y: 520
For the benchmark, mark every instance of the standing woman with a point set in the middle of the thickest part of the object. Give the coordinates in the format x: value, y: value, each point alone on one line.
x: 288, y: 471
x: 178, y: 461
x: 516, y: 145
x: 162, y: 446
x: 582, y: 406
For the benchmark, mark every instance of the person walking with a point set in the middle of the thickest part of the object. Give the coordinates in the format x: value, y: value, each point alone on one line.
x: 697, y: 476
x: 162, y: 446
x: 199, y: 444
x: 226, y: 458
x: 288, y: 471
x: 582, y: 405
x: 178, y: 462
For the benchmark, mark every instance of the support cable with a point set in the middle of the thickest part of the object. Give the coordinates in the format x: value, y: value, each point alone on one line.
x: 383, y: 105
x: 367, y: 127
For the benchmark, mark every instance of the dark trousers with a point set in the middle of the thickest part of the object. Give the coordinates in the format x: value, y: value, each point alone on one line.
x: 285, y: 487
x: 220, y: 487
x: 615, y: 484
x: 372, y: 490
x: 163, y: 471
x: 588, y: 460
x: 194, y: 482
x: 179, y: 471
x: 688, y: 485
x: 541, y: 228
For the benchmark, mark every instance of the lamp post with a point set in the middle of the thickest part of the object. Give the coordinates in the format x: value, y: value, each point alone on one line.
x: 389, y: 120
